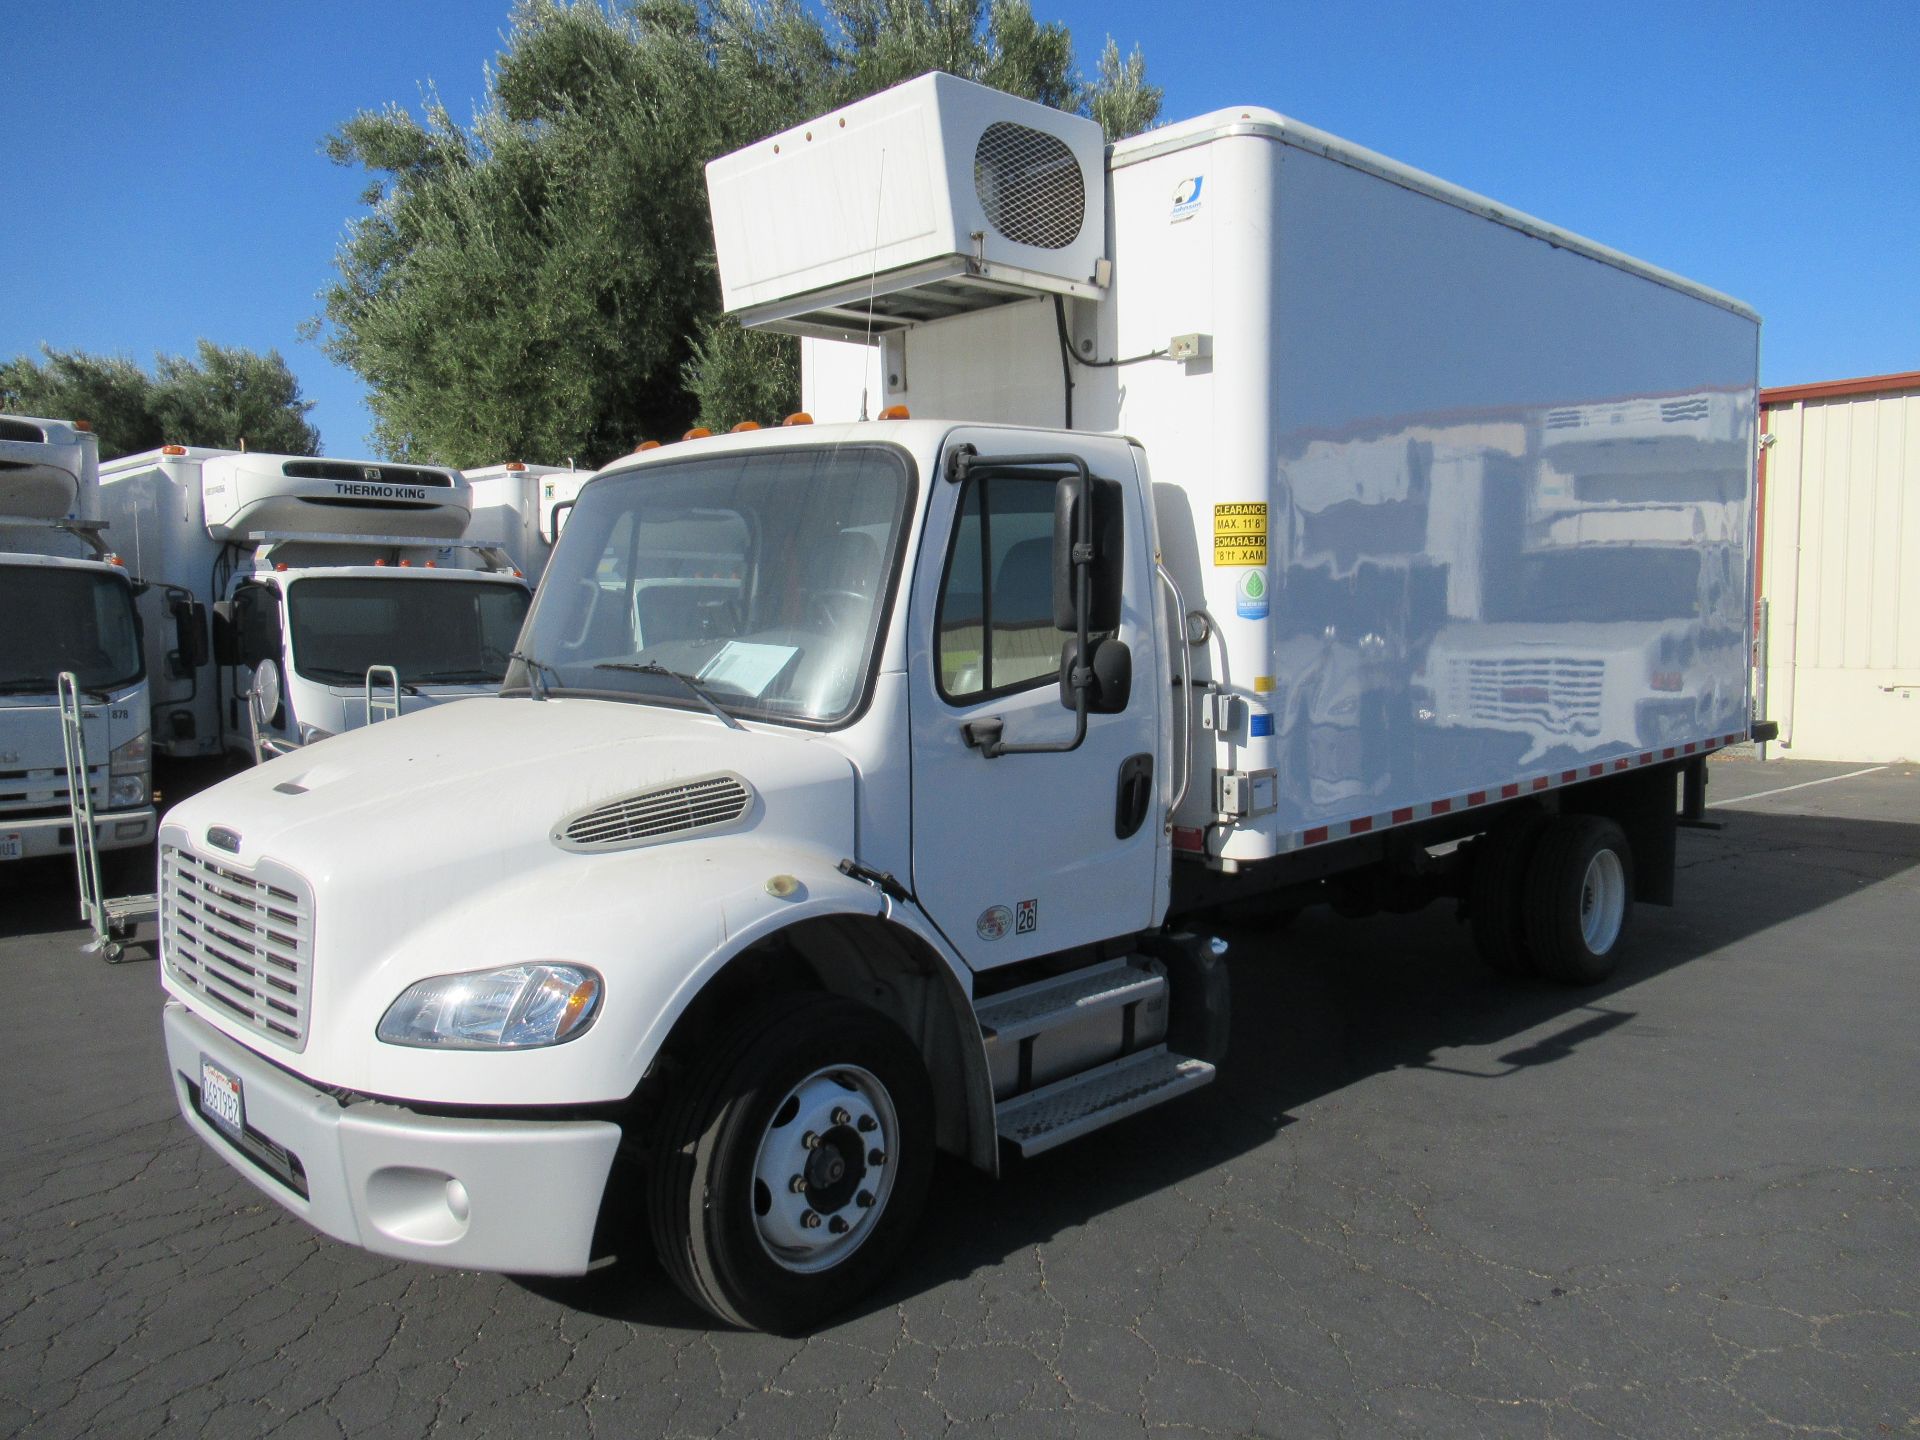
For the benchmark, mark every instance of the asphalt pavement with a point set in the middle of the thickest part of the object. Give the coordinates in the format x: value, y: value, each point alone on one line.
x: 1418, y: 1202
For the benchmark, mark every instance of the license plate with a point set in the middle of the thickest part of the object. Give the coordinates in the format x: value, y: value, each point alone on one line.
x: 11, y: 847
x: 221, y: 1103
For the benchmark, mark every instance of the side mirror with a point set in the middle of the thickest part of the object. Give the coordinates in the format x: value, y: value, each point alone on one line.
x: 190, y: 649
x: 1109, y: 555
x: 226, y: 635
x: 254, y: 626
x: 1112, y: 676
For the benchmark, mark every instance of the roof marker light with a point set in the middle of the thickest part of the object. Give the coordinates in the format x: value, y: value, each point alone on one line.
x: 895, y: 412
x: 516, y: 465
x: 283, y: 565
x: 698, y: 432
x: 381, y: 561
x: 646, y: 445
x: 798, y: 417
x: 84, y: 425
x: 746, y: 425
x: 406, y: 564
x: 173, y: 449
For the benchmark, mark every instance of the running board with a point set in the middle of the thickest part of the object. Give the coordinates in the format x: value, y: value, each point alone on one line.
x: 1080, y: 1104
x: 1050, y: 1004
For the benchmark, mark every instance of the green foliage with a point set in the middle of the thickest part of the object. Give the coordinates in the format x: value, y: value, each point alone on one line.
x: 227, y: 398
x: 540, y: 283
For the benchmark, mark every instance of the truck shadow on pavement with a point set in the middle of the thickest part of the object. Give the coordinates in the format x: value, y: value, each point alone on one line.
x: 1326, y: 1004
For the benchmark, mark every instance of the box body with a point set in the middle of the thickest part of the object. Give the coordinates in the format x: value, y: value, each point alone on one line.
x: 1463, y: 501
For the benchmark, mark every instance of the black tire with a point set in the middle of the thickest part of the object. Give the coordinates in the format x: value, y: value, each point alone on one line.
x: 701, y: 1202
x: 1582, y: 871
x: 1497, y: 893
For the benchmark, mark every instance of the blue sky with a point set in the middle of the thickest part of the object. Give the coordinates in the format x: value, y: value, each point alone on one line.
x: 1768, y: 150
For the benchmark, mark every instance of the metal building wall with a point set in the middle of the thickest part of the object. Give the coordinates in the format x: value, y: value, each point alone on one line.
x: 1840, y: 568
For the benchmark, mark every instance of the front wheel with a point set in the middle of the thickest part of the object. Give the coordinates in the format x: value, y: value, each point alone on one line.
x: 788, y: 1172
x: 1580, y: 896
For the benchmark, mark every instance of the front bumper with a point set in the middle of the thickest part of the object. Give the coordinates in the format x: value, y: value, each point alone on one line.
x: 520, y: 1196
x: 53, y: 834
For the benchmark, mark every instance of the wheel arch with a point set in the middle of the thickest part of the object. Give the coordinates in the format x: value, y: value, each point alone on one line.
x: 880, y: 962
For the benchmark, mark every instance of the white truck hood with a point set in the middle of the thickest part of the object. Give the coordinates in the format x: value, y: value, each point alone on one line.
x: 472, y: 792
x: 428, y: 846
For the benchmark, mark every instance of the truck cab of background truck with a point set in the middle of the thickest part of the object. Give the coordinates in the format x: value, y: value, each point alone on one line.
x: 290, y: 597
x: 65, y: 604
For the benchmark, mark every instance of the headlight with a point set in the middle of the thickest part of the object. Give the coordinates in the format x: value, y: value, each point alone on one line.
x: 127, y: 790
x: 131, y: 758
x: 519, y: 1007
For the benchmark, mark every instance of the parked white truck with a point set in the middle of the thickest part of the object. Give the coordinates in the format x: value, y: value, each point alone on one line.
x: 513, y: 506
x: 339, y: 590
x: 65, y: 605
x: 865, y: 790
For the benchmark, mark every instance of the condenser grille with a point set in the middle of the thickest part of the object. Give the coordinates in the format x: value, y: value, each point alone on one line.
x: 1030, y: 186
x: 658, y: 815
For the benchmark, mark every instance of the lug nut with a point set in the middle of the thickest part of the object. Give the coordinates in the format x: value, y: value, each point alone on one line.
x: 798, y: 1185
x: 868, y: 1124
x: 811, y: 1220
x: 810, y: 1140
x: 837, y: 1225
x: 841, y: 1117
x: 876, y: 1157
x: 864, y: 1199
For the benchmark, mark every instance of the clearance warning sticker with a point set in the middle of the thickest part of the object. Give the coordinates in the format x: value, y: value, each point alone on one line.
x: 1240, y: 534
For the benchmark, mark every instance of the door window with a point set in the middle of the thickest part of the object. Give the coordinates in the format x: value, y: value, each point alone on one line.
x: 995, y: 619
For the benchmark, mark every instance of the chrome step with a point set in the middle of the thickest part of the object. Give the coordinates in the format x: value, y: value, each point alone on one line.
x: 1063, y: 999
x: 1067, y: 1109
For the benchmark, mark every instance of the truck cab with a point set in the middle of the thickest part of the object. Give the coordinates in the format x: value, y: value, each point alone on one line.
x: 290, y: 598
x: 66, y: 604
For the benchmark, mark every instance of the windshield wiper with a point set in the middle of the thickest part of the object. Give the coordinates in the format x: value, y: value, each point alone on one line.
x: 694, y: 687
x: 333, y: 676
x: 536, y: 681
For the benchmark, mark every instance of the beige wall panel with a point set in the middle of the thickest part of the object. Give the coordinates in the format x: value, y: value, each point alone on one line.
x: 1841, y: 575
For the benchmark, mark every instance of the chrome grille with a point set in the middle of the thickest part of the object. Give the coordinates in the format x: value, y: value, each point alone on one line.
x: 242, y: 942
x: 1030, y: 185
x: 42, y: 794
x: 640, y: 819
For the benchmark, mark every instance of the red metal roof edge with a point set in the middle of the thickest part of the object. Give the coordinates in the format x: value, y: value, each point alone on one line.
x: 1835, y: 389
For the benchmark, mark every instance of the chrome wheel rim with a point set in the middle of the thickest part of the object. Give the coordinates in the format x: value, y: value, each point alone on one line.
x: 1603, y: 901
x: 824, y: 1170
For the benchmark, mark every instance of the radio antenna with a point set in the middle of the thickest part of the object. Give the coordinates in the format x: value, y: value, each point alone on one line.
x: 873, y: 275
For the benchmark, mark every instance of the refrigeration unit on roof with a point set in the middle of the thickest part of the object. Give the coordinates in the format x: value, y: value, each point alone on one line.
x: 255, y: 494
x: 931, y: 199
x: 40, y: 467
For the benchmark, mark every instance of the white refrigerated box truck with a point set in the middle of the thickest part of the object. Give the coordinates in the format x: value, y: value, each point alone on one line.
x: 66, y: 604
x: 513, y: 508
x: 866, y: 790
x: 338, y: 590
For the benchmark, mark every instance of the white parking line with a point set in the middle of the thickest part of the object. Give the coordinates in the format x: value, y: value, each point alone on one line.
x: 1763, y: 794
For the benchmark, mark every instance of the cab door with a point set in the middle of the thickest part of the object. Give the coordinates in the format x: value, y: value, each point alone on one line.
x: 1024, y: 854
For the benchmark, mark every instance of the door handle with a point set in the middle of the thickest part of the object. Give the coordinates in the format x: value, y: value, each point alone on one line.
x: 1135, y: 795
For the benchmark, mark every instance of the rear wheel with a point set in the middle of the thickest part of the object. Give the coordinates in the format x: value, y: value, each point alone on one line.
x: 788, y: 1173
x: 1580, y: 898
x: 1497, y: 893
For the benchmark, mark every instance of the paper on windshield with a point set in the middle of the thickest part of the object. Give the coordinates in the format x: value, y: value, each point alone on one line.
x: 748, y: 667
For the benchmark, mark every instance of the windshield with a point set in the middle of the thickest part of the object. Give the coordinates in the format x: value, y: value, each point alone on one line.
x: 762, y: 577
x: 54, y: 619
x: 432, y: 631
